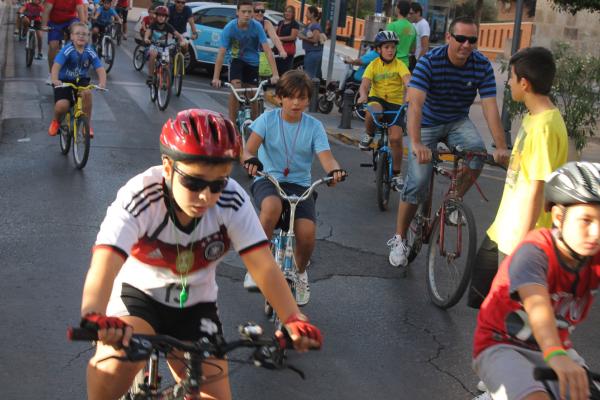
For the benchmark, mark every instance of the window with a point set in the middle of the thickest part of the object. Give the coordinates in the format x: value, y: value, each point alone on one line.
x: 214, y: 17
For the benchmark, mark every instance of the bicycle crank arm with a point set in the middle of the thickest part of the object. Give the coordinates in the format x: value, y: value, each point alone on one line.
x: 369, y: 165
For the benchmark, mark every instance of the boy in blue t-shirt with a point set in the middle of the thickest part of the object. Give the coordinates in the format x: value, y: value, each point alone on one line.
x: 242, y: 37
x: 286, y: 141
x: 71, y: 65
x: 103, y: 17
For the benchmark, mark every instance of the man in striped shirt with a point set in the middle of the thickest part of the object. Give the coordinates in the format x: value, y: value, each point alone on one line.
x: 444, y: 85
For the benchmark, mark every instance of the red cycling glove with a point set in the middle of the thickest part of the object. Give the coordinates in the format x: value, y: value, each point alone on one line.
x: 95, y: 321
x: 298, y: 325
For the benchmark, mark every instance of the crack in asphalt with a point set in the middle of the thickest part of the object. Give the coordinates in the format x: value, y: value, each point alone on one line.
x: 78, y: 356
x: 438, y: 353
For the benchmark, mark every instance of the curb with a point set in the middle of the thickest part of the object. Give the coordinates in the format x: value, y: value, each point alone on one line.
x: 5, y: 36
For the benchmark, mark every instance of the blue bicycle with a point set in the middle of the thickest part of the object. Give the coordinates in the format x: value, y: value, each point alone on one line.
x: 382, y: 154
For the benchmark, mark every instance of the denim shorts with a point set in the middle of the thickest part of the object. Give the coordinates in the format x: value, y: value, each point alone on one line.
x: 458, y: 133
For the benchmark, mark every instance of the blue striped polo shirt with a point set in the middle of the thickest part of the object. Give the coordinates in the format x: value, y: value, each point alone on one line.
x: 451, y: 90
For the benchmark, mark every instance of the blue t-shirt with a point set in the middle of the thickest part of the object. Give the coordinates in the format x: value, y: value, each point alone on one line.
x: 365, y: 60
x: 309, y: 46
x: 310, y: 139
x: 179, y: 20
x: 74, y: 64
x: 243, y: 43
x: 451, y: 90
x: 104, y: 16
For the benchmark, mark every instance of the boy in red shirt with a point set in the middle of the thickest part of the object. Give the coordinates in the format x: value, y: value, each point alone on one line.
x: 541, y: 292
x: 32, y: 11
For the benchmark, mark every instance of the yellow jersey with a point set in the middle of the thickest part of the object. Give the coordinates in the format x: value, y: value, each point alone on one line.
x: 386, y: 80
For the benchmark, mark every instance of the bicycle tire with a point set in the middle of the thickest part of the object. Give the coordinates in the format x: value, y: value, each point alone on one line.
x: 81, y: 142
x: 108, y: 54
x: 414, y: 235
x: 118, y: 30
x: 457, y: 284
x: 139, y: 57
x: 382, y: 181
x: 358, y: 111
x: 65, y: 136
x: 325, y: 106
x: 30, y: 46
x: 179, y: 71
x: 163, y: 88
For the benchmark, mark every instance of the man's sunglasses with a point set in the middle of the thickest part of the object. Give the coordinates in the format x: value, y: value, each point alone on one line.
x: 195, y: 184
x: 261, y: 10
x: 463, y: 38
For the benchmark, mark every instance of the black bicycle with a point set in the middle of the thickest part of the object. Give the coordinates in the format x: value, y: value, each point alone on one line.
x: 267, y: 353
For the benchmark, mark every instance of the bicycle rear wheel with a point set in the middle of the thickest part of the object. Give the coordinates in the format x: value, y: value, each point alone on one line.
x: 139, y: 57
x: 30, y: 46
x: 108, y: 53
x: 65, y: 135
x: 164, y: 87
x: 178, y: 72
x: 382, y: 180
x: 451, y: 254
x: 81, y: 142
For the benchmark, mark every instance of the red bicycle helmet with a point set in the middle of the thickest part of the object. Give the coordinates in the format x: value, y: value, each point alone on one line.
x: 200, y: 135
x: 161, y: 10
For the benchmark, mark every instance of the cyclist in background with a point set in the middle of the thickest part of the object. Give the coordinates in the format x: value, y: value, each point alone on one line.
x: 180, y: 16
x: 541, y: 292
x: 405, y: 31
x: 57, y: 17
x: 71, y: 65
x: 259, y: 16
x: 32, y: 11
x: 285, y: 140
x: 103, y: 17
x: 154, y: 262
x: 122, y: 8
x: 362, y: 62
x: 383, y: 86
x: 159, y: 32
x: 442, y: 89
x: 147, y: 21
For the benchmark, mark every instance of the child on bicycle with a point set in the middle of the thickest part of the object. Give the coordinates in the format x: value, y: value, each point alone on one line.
x: 103, y: 17
x: 72, y: 65
x: 32, y: 11
x: 284, y: 141
x: 154, y: 261
x: 383, y: 86
x: 147, y: 21
x: 159, y: 33
x: 540, y: 148
x: 541, y: 292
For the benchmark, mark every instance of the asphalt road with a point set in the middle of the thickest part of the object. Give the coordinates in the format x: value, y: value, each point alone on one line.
x: 383, y: 338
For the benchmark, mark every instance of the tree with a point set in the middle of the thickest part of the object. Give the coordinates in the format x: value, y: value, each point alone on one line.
x: 573, y: 6
x: 468, y: 8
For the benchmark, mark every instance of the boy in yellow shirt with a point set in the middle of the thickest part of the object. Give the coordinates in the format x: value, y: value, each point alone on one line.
x: 540, y: 148
x: 383, y: 85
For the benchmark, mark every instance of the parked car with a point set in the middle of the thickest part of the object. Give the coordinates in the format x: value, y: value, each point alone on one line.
x: 211, y: 18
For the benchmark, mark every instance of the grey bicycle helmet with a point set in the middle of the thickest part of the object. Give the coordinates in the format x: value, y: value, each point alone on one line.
x: 573, y: 183
x: 386, y: 37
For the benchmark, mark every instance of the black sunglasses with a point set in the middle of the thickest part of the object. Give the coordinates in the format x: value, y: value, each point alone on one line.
x: 261, y: 10
x: 195, y: 184
x: 463, y: 38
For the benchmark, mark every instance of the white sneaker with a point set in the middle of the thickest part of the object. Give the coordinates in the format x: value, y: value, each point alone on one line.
x: 484, y: 396
x: 249, y: 283
x: 452, y: 218
x: 481, y: 386
x: 302, y: 289
x: 397, y: 183
x: 365, y: 142
x: 49, y: 80
x: 398, y: 251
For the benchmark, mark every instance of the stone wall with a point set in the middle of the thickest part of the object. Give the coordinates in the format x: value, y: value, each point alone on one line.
x: 581, y: 31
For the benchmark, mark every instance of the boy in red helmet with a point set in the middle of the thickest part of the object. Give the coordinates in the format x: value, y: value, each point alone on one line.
x: 154, y: 261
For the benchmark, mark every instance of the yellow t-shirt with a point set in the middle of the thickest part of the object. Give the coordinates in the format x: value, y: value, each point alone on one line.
x: 386, y: 80
x: 540, y: 148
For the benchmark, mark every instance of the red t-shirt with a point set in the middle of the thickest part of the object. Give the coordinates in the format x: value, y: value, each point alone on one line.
x: 123, y: 3
x: 34, y: 11
x: 63, y: 10
x: 502, y: 318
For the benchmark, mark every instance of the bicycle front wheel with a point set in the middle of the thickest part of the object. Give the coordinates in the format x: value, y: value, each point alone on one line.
x: 139, y: 57
x: 65, y: 135
x: 81, y: 142
x: 451, y: 254
x: 382, y: 180
x: 164, y: 87
x: 108, y: 53
x: 178, y: 73
x: 30, y: 46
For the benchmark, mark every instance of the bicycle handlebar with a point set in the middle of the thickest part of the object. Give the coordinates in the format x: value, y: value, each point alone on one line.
x: 259, y: 90
x: 548, y: 374
x: 76, y: 87
x: 307, y: 193
x: 397, y: 113
x: 459, y: 153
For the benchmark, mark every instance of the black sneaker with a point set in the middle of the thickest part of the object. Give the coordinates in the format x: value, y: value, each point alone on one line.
x: 149, y: 80
x: 365, y: 142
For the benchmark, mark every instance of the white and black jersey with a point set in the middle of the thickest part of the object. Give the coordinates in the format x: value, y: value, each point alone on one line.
x: 138, y: 225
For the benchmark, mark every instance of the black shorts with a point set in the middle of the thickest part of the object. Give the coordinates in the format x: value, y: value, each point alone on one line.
x: 101, y: 28
x: 122, y: 11
x: 189, y: 323
x: 262, y: 189
x: 37, y: 24
x: 387, y: 106
x: 240, y: 70
x: 68, y: 93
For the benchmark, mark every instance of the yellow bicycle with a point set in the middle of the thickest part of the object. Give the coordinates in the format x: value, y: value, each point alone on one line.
x: 75, y: 127
x: 178, y: 70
